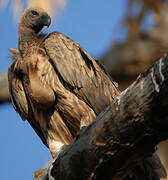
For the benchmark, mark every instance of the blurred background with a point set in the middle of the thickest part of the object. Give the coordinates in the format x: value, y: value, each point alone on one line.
x: 127, y: 36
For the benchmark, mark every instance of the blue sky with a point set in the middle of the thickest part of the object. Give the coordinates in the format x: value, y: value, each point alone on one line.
x: 93, y: 24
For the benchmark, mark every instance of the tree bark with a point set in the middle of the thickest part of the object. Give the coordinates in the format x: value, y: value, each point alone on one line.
x: 128, y: 130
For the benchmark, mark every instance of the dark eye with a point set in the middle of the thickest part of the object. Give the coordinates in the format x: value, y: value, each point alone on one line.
x: 35, y: 13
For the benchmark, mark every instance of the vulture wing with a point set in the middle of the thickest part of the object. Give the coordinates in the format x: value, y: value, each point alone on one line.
x: 19, y: 98
x: 79, y: 72
x: 17, y: 92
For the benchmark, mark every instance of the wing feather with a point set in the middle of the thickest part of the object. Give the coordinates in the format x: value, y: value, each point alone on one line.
x: 17, y: 92
x: 20, y: 100
x: 82, y: 74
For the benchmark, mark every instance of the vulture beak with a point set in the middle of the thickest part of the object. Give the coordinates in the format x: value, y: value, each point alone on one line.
x: 46, y: 20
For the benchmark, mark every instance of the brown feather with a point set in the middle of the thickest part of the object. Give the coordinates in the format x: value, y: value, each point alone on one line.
x: 62, y: 87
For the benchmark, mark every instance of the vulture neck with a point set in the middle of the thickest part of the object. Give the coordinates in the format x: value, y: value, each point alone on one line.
x: 28, y: 40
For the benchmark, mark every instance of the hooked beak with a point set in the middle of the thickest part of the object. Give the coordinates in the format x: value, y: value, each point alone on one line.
x: 46, y: 20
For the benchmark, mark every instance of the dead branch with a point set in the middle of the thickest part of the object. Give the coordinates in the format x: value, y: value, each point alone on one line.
x: 130, y: 127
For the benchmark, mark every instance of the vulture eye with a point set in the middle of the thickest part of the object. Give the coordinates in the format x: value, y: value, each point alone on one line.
x: 35, y: 13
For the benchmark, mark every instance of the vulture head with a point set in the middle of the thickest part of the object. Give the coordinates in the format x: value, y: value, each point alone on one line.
x: 35, y: 19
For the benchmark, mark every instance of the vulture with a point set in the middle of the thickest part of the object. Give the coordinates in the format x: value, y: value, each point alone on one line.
x: 55, y: 84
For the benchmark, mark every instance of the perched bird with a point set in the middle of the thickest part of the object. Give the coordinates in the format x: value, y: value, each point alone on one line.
x: 55, y: 84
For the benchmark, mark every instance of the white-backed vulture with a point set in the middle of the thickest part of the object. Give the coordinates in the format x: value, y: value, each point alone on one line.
x: 55, y: 84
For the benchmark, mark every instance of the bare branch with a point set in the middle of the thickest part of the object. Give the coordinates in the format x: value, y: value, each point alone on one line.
x: 129, y: 129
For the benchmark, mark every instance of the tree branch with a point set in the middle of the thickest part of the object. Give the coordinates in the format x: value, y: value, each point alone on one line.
x: 130, y: 127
